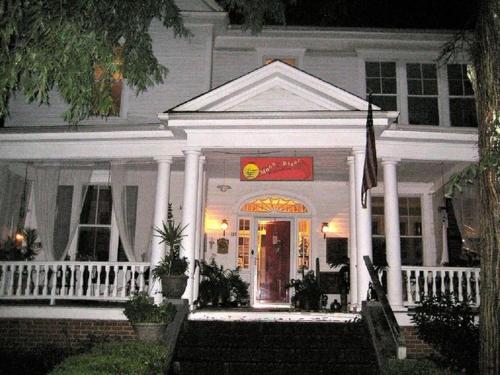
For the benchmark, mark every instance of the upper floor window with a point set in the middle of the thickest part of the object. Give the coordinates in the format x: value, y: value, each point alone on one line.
x: 422, y: 94
x: 381, y: 83
x: 462, y: 105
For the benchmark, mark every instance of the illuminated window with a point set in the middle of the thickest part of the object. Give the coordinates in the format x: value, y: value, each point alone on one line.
x: 243, y: 243
x: 112, y: 86
x: 274, y: 204
x: 303, y: 243
x: 287, y: 60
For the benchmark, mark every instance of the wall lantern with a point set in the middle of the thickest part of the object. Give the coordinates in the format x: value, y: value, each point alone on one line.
x: 325, y: 229
x: 223, y: 226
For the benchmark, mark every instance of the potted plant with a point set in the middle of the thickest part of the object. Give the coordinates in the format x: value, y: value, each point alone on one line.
x: 221, y: 287
x: 148, y: 320
x: 307, y: 292
x: 171, y: 270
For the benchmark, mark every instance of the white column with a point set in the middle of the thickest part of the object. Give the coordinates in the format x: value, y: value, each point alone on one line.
x: 199, y: 225
x: 392, y: 235
x: 363, y: 226
x: 428, y: 235
x: 353, y: 251
x: 189, y: 208
x: 160, y: 216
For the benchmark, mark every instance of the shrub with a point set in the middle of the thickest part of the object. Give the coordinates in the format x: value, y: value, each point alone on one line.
x: 415, y: 367
x: 448, y: 326
x: 33, y: 361
x: 133, y: 357
x: 141, y: 309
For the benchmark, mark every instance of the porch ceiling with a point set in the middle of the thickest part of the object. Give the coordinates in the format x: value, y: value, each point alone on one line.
x: 329, y: 165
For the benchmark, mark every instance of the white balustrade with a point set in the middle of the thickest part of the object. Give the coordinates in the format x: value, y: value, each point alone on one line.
x: 105, y: 281
x: 421, y: 282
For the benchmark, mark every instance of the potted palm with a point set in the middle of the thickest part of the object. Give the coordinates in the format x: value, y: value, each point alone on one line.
x: 148, y: 320
x: 171, y: 270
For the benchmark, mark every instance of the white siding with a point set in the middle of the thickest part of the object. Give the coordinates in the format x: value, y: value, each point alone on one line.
x: 229, y: 65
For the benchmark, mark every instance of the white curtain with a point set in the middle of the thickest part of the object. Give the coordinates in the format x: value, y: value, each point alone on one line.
x: 11, y: 191
x: 45, y: 194
x: 466, y: 209
x: 124, y: 208
x: 81, y: 179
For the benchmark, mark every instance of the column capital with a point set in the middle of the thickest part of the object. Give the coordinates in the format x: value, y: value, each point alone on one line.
x: 358, y: 150
x: 391, y: 161
x: 350, y: 160
x: 163, y: 159
x: 191, y: 151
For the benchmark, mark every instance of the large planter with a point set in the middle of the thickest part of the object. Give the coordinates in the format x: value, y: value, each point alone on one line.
x: 150, y: 332
x: 173, y: 286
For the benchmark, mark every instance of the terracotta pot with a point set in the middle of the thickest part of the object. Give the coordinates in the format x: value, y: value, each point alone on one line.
x: 173, y: 286
x: 150, y: 332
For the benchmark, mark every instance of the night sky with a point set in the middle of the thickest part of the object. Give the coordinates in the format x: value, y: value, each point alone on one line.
x: 419, y: 14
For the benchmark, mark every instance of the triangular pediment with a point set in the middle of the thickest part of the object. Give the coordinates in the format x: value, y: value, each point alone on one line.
x: 275, y: 87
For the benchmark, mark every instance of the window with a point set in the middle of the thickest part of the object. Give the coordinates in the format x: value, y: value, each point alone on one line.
x: 94, y: 231
x: 110, y: 85
x: 244, y: 243
x: 287, y: 60
x: 303, y: 243
x: 462, y: 105
x: 422, y: 94
x: 381, y: 83
x: 410, y: 222
x: 274, y: 204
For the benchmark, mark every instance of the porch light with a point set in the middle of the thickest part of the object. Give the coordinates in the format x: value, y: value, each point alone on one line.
x: 223, y: 226
x: 325, y: 229
x: 19, y: 238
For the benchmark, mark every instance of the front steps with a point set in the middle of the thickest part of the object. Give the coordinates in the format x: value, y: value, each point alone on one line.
x: 273, y: 348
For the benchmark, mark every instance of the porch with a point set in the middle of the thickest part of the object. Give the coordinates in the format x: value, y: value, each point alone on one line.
x: 116, y: 281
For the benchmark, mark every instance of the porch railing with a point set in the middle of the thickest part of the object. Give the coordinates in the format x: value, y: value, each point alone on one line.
x: 420, y: 282
x: 106, y: 281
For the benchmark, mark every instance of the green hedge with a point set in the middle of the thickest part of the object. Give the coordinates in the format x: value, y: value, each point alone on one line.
x: 416, y: 367
x: 133, y: 357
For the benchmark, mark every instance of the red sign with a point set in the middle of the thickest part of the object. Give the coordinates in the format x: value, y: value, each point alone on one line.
x: 276, y: 169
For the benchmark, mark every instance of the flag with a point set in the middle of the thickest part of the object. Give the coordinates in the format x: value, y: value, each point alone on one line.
x: 370, y: 168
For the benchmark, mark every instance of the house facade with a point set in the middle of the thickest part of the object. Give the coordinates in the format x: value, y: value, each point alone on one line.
x: 258, y: 144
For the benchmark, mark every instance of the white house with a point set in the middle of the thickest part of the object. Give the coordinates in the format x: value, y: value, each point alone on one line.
x: 232, y: 102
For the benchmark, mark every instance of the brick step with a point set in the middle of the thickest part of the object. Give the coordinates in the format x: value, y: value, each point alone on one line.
x: 270, y: 328
x: 297, y: 355
x: 274, y: 348
x: 272, y: 368
x: 255, y: 339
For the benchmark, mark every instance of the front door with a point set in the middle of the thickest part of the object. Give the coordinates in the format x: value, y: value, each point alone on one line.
x: 272, y: 262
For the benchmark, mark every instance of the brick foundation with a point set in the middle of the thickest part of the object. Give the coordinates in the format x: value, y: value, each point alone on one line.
x: 415, y: 348
x: 29, y: 333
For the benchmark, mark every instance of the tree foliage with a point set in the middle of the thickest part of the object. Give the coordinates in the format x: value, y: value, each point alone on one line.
x: 447, y: 324
x: 58, y: 45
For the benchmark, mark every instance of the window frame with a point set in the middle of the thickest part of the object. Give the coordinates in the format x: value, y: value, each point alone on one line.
x: 401, y: 60
x: 454, y: 96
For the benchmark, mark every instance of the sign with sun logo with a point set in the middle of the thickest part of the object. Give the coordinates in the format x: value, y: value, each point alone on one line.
x: 276, y: 169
